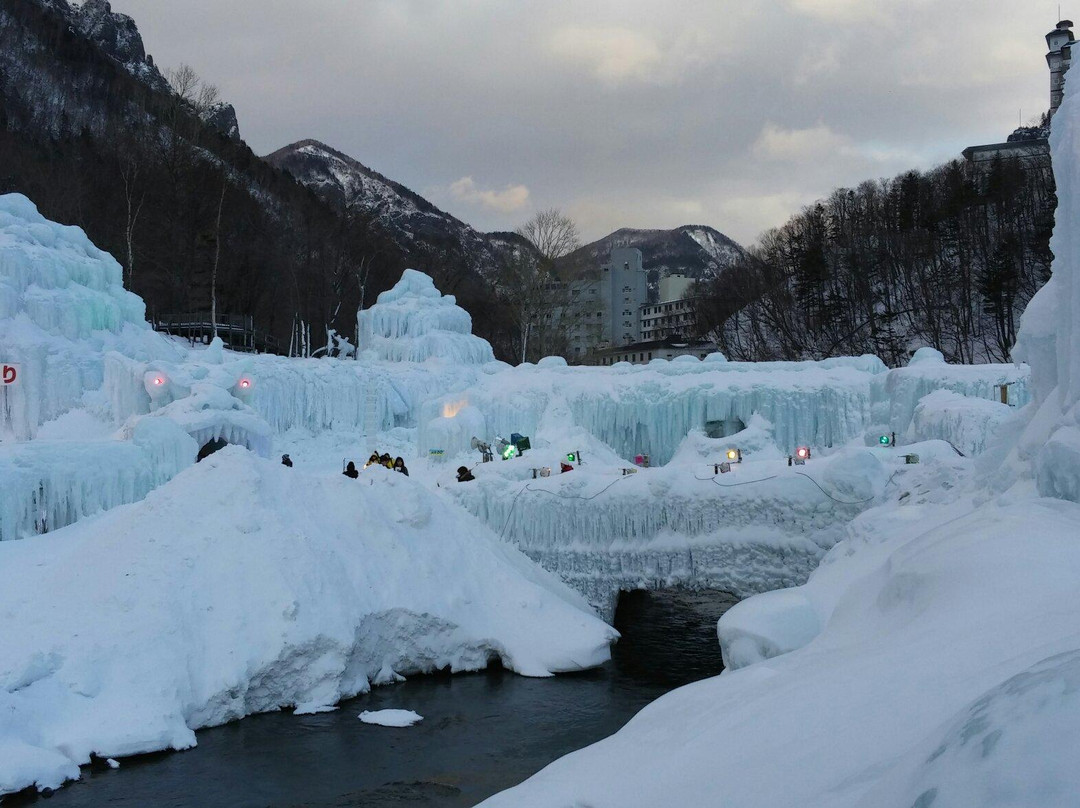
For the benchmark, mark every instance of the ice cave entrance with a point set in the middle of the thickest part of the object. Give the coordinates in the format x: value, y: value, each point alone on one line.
x: 724, y: 428
x: 211, y: 446
x: 669, y: 634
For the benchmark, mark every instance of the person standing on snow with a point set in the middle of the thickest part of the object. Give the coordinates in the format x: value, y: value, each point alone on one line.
x: 350, y: 471
x: 399, y: 465
x: 464, y: 475
x: 373, y: 460
x: 286, y: 460
x: 386, y: 461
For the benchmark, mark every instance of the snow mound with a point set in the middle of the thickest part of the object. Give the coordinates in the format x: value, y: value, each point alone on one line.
x: 1014, y: 742
x: 413, y: 322
x: 390, y: 718
x: 243, y: 586
x: 62, y: 305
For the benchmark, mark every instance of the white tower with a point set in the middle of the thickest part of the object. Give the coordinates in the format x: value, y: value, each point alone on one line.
x: 1059, y: 42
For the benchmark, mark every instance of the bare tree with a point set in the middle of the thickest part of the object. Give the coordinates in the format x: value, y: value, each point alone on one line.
x: 217, y: 255
x: 539, y: 299
x: 129, y: 173
x: 552, y: 233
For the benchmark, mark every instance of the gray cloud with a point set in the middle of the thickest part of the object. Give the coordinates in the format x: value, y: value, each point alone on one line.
x: 632, y: 113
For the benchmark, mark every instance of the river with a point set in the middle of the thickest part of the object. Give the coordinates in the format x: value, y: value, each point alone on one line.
x: 481, y: 732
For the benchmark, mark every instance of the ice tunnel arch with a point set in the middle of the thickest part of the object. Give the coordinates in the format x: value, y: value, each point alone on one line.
x: 211, y: 446
x: 724, y: 428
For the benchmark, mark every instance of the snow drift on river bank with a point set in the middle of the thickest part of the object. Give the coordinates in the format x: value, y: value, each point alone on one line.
x: 243, y: 586
x: 913, y: 661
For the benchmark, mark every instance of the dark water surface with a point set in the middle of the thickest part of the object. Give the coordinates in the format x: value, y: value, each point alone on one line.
x: 481, y: 732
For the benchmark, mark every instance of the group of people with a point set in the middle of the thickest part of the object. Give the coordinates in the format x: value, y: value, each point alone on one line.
x: 464, y: 475
x: 376, y: 459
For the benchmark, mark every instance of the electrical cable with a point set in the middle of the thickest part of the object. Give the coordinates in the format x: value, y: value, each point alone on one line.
x: 735, y: 485
x: 807, y: 476
x: 527, y: 487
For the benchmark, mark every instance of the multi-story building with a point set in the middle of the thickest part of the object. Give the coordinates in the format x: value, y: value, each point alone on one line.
x: 605, y: 311
x: 673, y: 316
x: 1059, y: 44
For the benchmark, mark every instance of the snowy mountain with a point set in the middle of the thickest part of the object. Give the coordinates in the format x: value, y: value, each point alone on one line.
x: 424, y: 232
x: 693, y: 250
x: 116, y: 34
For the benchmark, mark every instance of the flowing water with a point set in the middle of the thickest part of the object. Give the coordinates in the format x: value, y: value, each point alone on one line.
x: 481, y: 732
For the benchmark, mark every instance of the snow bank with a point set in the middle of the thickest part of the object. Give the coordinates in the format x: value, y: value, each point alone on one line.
x: 62, y: 305
x: 929, y: 672
x: 413, y: 322
x: 243, y: 586
x: 969, y: 424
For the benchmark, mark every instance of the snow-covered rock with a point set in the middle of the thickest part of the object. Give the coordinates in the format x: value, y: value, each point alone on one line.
x: 243, y: 586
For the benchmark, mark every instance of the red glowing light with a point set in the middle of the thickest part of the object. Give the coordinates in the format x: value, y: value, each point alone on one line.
x: 158, y: 380
x: 245, y: 383
x: 802, y: 453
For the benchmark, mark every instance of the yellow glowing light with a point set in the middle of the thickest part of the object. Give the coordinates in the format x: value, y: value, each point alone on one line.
x: 452, y: 408
x: 732, y: 454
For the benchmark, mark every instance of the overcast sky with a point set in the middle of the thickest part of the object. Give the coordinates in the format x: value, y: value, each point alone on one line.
x: 637, y: 113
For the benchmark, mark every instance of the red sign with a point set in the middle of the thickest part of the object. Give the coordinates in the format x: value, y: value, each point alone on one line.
x: 9, y: 374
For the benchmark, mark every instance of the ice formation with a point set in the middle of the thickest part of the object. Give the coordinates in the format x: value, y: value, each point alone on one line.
x: 62, y: 305
x: 968, y: 423
x: 49, y: 484
x: 928, y: 371
x: 242, y: 586
x: 650, y: 409
x: 1049, y: 337
x: 765, y: 525
x: 413, y: 322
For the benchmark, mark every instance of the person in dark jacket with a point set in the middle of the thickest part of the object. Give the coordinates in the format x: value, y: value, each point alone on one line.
x: 399, y: 465
x: 464, y: 475
x: 286, y: 460
x: 350, y: 470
